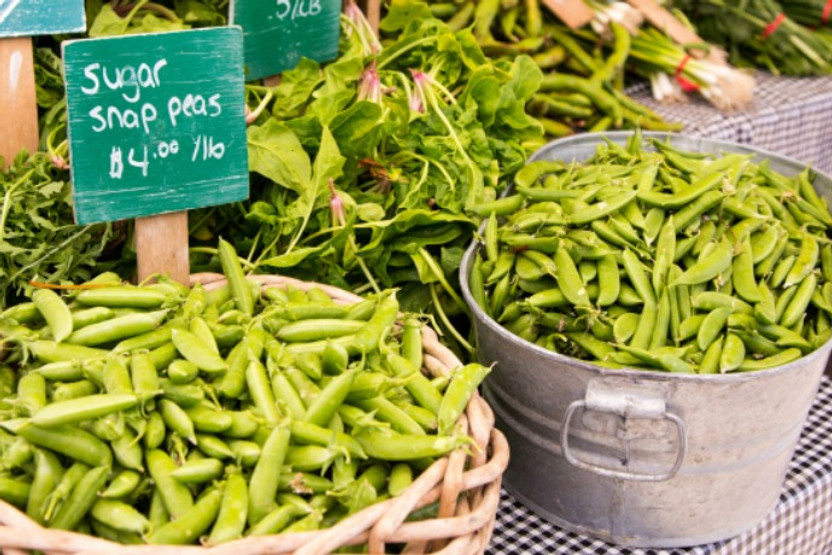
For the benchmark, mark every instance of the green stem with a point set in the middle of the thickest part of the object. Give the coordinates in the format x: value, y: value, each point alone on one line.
x: 403, y: 50
x: 440, y: 276
x: 444, y: 319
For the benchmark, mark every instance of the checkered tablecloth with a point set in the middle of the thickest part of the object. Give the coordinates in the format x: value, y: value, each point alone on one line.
x: 800, y: 524
x: 790, y: 116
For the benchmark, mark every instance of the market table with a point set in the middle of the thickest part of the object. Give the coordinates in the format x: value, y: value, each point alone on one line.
x: 800, y: 524
x: 790, y: 116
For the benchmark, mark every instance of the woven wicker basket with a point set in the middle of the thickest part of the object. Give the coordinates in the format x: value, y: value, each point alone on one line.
x: 465, y: 483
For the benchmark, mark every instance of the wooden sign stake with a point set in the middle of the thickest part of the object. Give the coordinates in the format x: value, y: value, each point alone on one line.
x: 18, y: 103
x: 162, y: 246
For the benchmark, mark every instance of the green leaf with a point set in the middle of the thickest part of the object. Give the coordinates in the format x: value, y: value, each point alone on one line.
x: 275, y: 152
x: 328, y: 165
x: 295, y: 89
x: 108, y: 23
x: 358, y: 128
x: 401, y: 12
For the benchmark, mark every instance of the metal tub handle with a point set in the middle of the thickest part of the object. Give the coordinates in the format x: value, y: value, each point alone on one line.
x: 626, y: 403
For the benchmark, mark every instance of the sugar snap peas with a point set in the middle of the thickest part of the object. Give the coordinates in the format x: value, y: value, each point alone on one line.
x: 180, y: 413
x: 663, y: 259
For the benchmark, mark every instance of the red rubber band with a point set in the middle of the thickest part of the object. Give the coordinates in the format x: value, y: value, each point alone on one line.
x: 687, y: 85
x: 773, y: 26
x: 827, y: 11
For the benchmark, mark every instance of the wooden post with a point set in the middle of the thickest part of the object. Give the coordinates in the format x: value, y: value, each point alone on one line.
x: 18, y: 103
x: 373, y: 12
x: 162, y: 246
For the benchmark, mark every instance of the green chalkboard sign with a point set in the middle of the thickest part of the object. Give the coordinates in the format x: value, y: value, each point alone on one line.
x: 25, y: 18
x: 156, y: 123
x: 277, y: 33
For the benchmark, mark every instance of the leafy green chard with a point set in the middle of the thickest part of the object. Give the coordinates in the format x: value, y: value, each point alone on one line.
x: 411, y: 133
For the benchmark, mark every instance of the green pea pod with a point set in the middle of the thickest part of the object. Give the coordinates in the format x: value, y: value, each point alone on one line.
x: 784, y: 357
x: 418, y: 385
x: 601, y: 209
x: 237, y: 283
x: 122, y: 485
x: 31, y: 393
x: 763, y: 244
x: 569, y: 280
x: 311, y: 458
x: 660, y: 331
x: 796, y: 309
x: 117, y: 328
x: 646, y: 324
x: 122, y: 297
x: 709, y: 300
x: 665, y: 254
x: 182, y: 371
x: 287, y: 396
x: 718, y: 261
x: 155, y: 431
x: 144, y: 378
x: 625, y: 326
x: 194, y: 350
x: 638, y: 278
x: 743, y: 274
x: 386, y: 411
x: 781, y: 270
x: 500, y: 207
x: 378, y: 326
x: 231, y: 519
x: 806, y: 261
x: 598, y: 350
x: 120, y: 515
x: 55, y: 311
x: 198, y: 471
x: 712, y: 326
x: 175, y: 495
x: 609, y: 283
x: 712, y: 357
x: 464, y: 383
x: 81, y: 500
x: 308, y: 433
x: 48, y: 473
x: 82, y: 408
x: 214, y: 446
x: 70, y: 441
x: 260, y: 391
x: 51, y: 351
x: 392, y: 446
x: 663, y: 361
x: 233, y: 383
x: 733, y: 353
x: 317, y: 329
x: 177, y: 419
x: 276, y: 521
x: 243, y: 425
x: 210, y: 420
x: 265, y: 477
x: 191, y: 524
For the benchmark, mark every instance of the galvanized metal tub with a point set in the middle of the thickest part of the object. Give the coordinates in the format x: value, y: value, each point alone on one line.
x: 641, y: 458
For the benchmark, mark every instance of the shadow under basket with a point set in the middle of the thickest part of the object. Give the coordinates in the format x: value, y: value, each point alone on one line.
x: 465, y: 483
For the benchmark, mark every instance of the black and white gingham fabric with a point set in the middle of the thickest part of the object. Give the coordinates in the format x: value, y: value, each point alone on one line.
x: 800, y: 524
x: 789, y: 116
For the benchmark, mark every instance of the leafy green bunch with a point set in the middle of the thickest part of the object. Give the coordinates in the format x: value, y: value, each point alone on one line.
x: 757, y: 33
x: 368, y: 170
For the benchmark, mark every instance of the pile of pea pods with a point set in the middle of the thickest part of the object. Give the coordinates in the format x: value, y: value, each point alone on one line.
x: 162, y: 414
x: 660, y: 259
